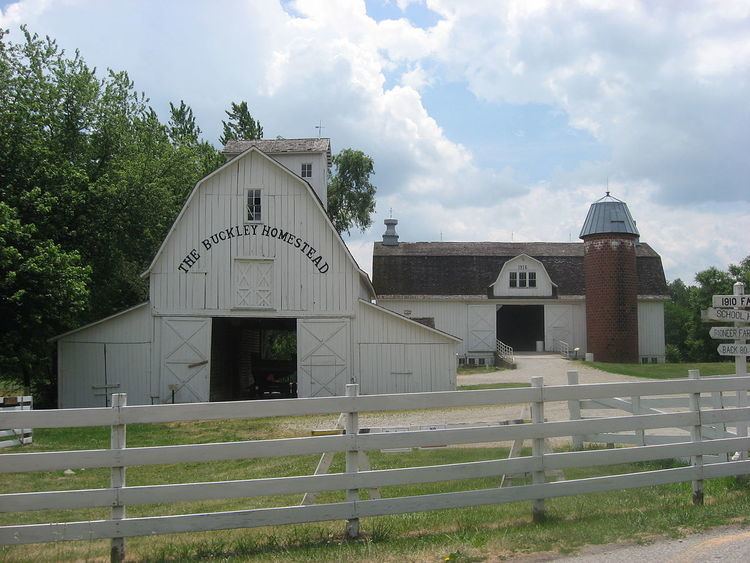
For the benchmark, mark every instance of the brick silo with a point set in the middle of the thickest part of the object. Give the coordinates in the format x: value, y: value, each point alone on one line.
x: 610, y: 237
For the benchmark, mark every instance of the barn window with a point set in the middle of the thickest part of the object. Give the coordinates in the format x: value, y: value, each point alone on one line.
x: 307, y: 169
x: 532, y: 279
x: 521, y: 279
x: 513, y: 279
x: 254, y: 206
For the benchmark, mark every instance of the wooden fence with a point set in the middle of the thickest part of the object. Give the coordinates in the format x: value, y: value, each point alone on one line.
x: 638, y: 405
x: 10, y: 437
x: 118, y: 457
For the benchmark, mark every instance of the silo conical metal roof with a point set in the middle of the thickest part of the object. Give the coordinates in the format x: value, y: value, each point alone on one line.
x: 608, y: 215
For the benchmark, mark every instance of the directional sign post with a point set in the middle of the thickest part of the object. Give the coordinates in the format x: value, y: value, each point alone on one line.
x: 733, y: 349
x: 729, y: 315
x: 730, y: 332
x: 740, y: 301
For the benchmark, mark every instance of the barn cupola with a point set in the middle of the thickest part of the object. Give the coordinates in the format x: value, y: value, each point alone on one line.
x: 610, y: 237
x: 390, y: 236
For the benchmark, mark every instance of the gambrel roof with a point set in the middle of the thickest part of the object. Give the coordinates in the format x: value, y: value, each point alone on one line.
x: 363, y: 275
x: 469, y: 268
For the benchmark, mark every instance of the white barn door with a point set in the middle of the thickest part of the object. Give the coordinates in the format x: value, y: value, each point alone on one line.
x: 185, y: 357
x: 481, y: 319
x: 323, y: 359
x: 558, y: 326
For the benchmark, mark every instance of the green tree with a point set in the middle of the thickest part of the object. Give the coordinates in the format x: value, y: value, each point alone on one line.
x: 351, y: 194
x: 182, y: 128
x: 241, y: 125
x: 42, y: 290
x: 91, y: 180
x: 684, y: 327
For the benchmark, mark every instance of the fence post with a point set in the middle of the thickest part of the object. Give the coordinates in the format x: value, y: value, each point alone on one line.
x: 696, y: 434
x: 537, y: 448
x: 352, y: 457
x: 636, y: 410
x: 117, y: 478
x: 740, y: 366
x: 574, y: 409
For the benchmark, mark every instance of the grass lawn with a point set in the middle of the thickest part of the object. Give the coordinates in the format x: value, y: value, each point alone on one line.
x: 664, y: 371
x: 470, y: 534
x: 471, y: 370
x: 480, y: 386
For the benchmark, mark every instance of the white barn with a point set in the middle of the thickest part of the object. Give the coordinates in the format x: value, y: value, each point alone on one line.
x: 251, y: 264
x: 534, y: 295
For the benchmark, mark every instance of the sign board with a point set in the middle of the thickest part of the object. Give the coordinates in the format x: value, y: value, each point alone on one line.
x: 737, y: 315
x: 731, y: 301
x: 730, y: 332
x: 733, y: 349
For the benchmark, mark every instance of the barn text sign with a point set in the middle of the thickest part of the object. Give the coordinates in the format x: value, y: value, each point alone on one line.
x: 238, y: 231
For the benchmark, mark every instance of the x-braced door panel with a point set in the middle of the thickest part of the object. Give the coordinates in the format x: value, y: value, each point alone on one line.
x: 185, y: 356
x: 322, y: 357
x: 481, y: 328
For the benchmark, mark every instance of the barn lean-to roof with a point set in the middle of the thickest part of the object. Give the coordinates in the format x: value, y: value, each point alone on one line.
x: 469, y: 268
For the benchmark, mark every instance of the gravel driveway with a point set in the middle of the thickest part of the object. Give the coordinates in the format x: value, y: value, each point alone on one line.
x: 550, y: 366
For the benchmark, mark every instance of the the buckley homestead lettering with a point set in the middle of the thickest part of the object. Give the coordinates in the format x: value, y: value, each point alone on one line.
x: 256, y: 230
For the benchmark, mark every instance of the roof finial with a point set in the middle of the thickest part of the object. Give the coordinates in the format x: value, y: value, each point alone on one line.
x: 607, y: 186
x: 390, y: 212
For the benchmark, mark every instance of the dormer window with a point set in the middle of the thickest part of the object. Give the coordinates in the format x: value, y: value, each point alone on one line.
x: 522, y: 279
x: 306, y: 170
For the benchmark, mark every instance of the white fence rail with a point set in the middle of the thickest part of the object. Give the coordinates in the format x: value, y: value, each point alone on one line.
x: 10, y: 437
x: 118, y: 457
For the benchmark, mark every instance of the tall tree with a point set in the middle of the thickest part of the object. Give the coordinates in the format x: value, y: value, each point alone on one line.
x: 90, y: 181
x: 182, y: 128
x: 351, y: 194
x: 685, y: 330
x: 241, y: 124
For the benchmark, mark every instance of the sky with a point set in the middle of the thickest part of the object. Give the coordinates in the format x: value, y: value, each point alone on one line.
x: 486, y: 120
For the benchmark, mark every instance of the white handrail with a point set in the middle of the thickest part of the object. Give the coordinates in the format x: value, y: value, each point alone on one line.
x: 505, y: 352
x: 563, y: 347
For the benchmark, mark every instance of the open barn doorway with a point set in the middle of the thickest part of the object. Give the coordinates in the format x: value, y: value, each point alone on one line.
x: 253, y: 358
x: 521, y: 326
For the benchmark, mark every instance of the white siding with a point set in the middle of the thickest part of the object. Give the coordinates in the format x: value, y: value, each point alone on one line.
x: 288, y: 207
x: 319, y: 180
x: 566, y: 322
x: 651, y: 330
x: 395, y: 355
x: 522, y: 264
x: 449, y: 316
x: 113, y: 356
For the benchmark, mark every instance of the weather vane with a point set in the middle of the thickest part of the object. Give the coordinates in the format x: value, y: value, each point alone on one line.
x: 320, y: 128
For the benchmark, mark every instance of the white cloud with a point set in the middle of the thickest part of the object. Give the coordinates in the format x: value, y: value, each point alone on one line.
x: 663, y: 87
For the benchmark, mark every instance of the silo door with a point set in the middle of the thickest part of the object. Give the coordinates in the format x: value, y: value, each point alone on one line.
x: 322, y: 357
x: 185, y: 355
